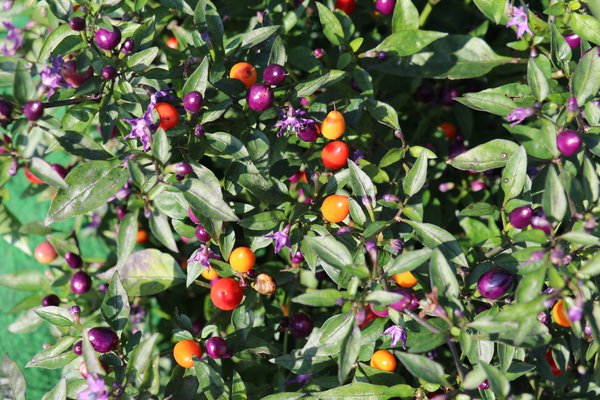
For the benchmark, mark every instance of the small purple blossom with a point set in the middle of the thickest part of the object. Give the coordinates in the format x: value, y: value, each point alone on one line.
x: 14, y: 35
x: 95, y: 390
x: 520, y: 20
x: 446, y: 186
x: 7, y: 5
x: 51, y: 77
x: 572, y: 105
x: 344, y: 230
x: 357, y: 155
x: 203, y: 256
x: 397, y: 245
x: 142, y: 128
x: 398, y: 334
x: 520, y: 114
x: 291, y: 119
x: 282, y: 238
x: 301, y: 380
x: 575, y: 312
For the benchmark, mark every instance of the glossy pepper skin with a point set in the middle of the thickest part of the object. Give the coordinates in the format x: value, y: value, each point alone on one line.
x: 495, y: 283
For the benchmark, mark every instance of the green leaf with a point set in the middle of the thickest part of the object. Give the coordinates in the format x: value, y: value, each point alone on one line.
x: 55, y: 356
x: 406, y: 16
x: 452, y: 57
x: 498, y: 382
x: 80, y: 145
x: 554, y: 199
x: 423, y: 368
x: 59, y: 392
x: 591, y: 182
x: 149, y: 272
x: 477, y: 210
x: 348, y: 354
x: 14, y: 384
x: 408, y: 261
x: 205, y: 200
x: 127, y: 236
x: 362, y: 186
x: 56, y: 316
x: 561, y: 51
x: 263, y: 221
x: 92, y: 363
x: 536, y: 79
x: 580, y: 238
x: 383, y: 113
x: 238, y: 388
x: 586, y: 26
x: 490, y: 155
x: 442, y: 275
x: 433, y: 236
x: 23, y: 87
x: 416, y: 176
x: 107, y: 116
x: 161, y: 229
x: 531, y: 285
x: 44, y: 171
x: 115, y: 305
x: 320, y: 298
x: 161, y: 148
x: 142, y: 59
x: 317, y: 81
x: 493, y: 9
x: 211, y: 382
x: 53, y: 40
x: 198, y: 80
x: 383, y: 297
x: 497, y: 101
x: 332, y: 28
x: 258, y: 35
x: 139, y: 360
x: 329, y: 250
x: 514, y: 175
x: 585, y: 82
x: 91, y: 184
x: 408, y: 42
x: 336, y: 328
x: 60, y: 8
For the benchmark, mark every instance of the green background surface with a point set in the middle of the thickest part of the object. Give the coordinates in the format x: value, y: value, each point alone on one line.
x: 22, y: 347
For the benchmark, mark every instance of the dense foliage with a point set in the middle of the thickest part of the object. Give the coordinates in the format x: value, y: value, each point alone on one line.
x: 307, y: 199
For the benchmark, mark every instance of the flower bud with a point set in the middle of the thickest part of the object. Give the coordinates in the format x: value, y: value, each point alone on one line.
x: 199, y: 130
x: 318, y: 53
x: 75, y: 311
x: 264, y: 284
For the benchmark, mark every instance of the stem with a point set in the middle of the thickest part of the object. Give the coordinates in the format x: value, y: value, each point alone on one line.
x: 69, y: 102
x: 426, y: 11
x: 422, y: 322
x: 456, y: 358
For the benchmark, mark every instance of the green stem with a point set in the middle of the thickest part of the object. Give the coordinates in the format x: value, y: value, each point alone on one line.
x: 425, y: 13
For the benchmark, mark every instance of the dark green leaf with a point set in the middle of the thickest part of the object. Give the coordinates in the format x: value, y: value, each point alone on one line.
x: 348, y: 354
x: 536, y: 79
x: 205, y: 200
x: 586, y: 27
x: 408, y: 42
x: 320, y: 298
x: 198, y: 81
x: 498, y: 382
x: 115, y: 305
x: 44, y: 171
x: 258, y: 35
x: 433, y: 236
x: 383, y: 113
x: 127, y: 236
x: 141, y: 60
x: 514, y: 174
x: 56, y: 316
x: 332, y: 28
x: 585, y: 82
x: 416, y: 176
x: 406, y: 16
x: 442, y: 275
x: 554, y: 200
x: 423, y: 368
x: 408, y: 261
x: 161, y: 229
x: 329, y: 250
x: 490, y: 155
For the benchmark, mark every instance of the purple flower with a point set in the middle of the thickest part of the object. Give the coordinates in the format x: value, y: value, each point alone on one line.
x: 519, y: 19
x: 282, y: 238
x: 14, y: 35
x: 7, y: 5
x: 519, y: 115
x: 397, y: 245
x: 291, y: 119
x: 398, y: 334
x: 203, y: 256
x: 572, y: 105
x: 142, y: 128
x: 95, y: 390
x: 357, y: 155
x: 301, y: 380
x: 51, y: 76
x: 575, y: 312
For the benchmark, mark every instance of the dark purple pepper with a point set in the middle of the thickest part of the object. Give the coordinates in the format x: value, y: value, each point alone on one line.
x: 75, y: 311
x: 5, y: 112
x: 199, y: 130
x: 81, y: 282
x: 274, y: 74
x: 520, y: 217
x: 568, y: 142
x: 182, y: 168
x: 217, y: 347
x: 33, y: 110
x: 386, y: 7
x: 108, y: 73
x: 495, y: 283
x: 300, y: 325
x: 103, y: 287
x: 60, y: 170
x: 108, y: 40
x: 573, y: 40
x: 260, y: 97
x: 447, y: 95
x: 484, y: 385
x: 50, y: 300
x: 193, y: 101
x: 309, y: 132
x: 192, y: 216
x: 78, y: 348
x: 381, y: 56
x: 121, y: 212
x: 128, y: 46
x: 73, y: 260
x: 297, y: 257
x: 77, y: 23
x: 197, y: 327
x: 410, y: 301
x: 251, y: 273
x: 318, y: 53
x: 539, y: 221
x: 103, y: 339
x: 457, y: 149
x: 201, y: 234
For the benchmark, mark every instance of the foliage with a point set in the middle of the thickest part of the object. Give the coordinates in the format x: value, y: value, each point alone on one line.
x: 423, y: 200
